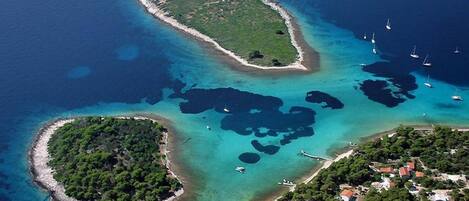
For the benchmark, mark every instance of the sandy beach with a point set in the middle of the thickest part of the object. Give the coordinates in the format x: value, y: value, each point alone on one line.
x: 43, y: 174
x: 304, y: 61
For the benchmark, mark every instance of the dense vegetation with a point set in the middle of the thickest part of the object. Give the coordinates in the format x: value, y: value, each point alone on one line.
x: 443, y: 150
x: 111, y: 159
x: 434, y: 150
x: 249, y: 28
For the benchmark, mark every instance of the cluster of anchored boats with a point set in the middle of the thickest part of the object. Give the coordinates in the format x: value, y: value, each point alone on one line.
x: 426, y: 62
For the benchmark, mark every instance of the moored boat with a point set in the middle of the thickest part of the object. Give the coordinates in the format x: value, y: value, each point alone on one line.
x: 388, y: 25
x: 427, y: 82
x: 426, y: 61
x: 286, y: 183
x: 414, y: 54
x: 240, y: 169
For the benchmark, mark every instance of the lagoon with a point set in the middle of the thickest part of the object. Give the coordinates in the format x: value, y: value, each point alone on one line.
x: 139, y: 65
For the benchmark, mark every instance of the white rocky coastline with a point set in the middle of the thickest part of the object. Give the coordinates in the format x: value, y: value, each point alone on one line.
x: 40, y: 157
x: 43, y: 174
x: 152, y: 7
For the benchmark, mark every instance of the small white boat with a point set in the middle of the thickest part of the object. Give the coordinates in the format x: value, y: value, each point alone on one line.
x: 208, y: 127
x: 388, y: 25
x: 414, y: 54
x: 362, y: 64
x: 426, y: 62
x: 240, y: 169
x: 373, y: 38
x: 226, y: 110
x: 456, y: 51
x: 286, y: 183
x: 457, y: 98
x: 374, y: 49
x: 364, y: 36
x: 427, y: 83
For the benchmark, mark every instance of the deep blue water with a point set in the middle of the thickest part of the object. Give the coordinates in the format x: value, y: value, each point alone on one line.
x: 58, y: 57
x: 435, y: 27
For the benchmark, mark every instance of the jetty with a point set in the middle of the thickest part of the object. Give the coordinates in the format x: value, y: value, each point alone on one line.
x: 303, y: 153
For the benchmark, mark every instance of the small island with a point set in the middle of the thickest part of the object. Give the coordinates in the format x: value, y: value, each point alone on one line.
x: 407, y: 165
x: 104, y: 158
x: 255, y: 33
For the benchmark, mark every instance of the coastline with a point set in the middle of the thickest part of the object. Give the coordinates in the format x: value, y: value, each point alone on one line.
x: 42, y: 174
x: 39, y: 157
x: 344, y: 152
x: 307, y: 59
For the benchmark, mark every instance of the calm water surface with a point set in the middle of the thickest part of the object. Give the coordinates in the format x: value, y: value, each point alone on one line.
x: 66, y: 58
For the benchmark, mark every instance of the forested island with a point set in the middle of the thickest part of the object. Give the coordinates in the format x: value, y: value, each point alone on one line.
x: 105, y: 158
x: 256, y: 33
x: 407, y: 165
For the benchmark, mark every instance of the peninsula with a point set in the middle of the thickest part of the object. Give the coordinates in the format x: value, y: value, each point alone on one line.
x: 255, y: 33
x: 408, y: 165
x: 104, y: 158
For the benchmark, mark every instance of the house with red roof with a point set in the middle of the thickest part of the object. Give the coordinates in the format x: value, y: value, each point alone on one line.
x: 404, y: 172
x: 346, y: 195
x: 419, y: 174
x: 411, y: 166
x: 388, y: 170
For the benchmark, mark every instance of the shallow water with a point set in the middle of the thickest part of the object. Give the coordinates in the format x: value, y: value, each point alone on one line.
x: 66, y: 58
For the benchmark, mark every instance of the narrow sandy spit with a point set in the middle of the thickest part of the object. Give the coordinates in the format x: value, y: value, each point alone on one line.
x: 153, y: 9
x: 43, y: 174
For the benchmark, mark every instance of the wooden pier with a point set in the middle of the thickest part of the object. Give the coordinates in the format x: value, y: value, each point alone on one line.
x: 313, y: 156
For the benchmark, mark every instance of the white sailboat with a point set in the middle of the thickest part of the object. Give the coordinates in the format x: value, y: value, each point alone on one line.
x: 364, y: 36
x: 456, y: 51
x: 426, y: 61
x: 388, y: 25
x: 226, y: 110
x: 373, y: 38
x: 427, y: 83
x: 456, y: 97
x: 374, y: 48
x: 414, y: 54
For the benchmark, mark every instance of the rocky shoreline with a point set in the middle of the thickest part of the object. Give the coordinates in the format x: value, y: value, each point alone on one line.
x: 39, y: 157
x: 301, y: 64
x: 43, y: 174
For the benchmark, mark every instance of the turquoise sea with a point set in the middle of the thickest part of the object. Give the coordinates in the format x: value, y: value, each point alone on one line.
x: 66, y: 58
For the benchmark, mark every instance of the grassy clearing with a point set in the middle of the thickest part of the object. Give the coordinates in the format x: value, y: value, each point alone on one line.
x: 249, y: 28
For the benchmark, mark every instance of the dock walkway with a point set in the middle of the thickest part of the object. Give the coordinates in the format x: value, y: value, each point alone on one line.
x: 313, y: 156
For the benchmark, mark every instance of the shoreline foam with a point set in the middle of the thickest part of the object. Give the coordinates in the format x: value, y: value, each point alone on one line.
x: 43, y: 174
x: 298, y: 65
